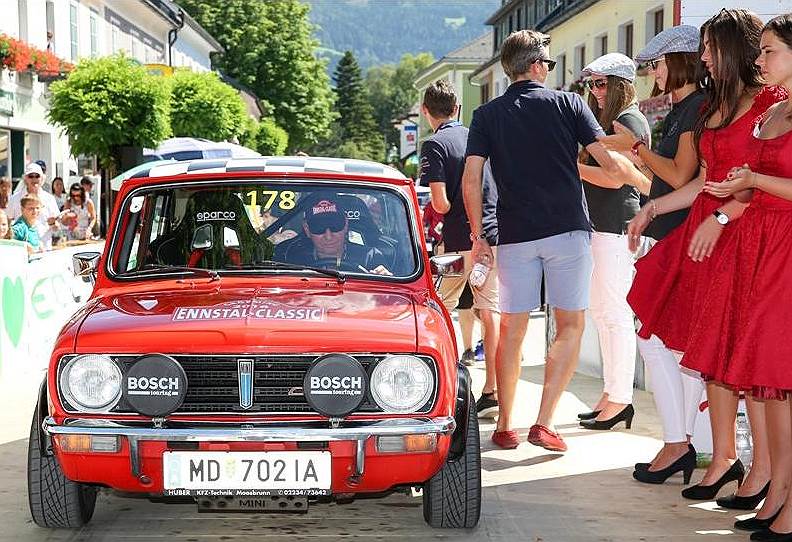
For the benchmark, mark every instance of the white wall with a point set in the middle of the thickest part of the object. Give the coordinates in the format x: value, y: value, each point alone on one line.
x: 696, y: 12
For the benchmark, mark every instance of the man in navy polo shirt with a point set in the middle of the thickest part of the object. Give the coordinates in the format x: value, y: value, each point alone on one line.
x: 442, y: 164
x: 530, y: 136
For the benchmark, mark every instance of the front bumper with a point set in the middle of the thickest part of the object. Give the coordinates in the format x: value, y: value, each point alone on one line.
x: 357, y: 431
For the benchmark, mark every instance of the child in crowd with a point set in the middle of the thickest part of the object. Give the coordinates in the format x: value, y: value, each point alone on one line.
x: 24, y: 228
x: 5, y: 230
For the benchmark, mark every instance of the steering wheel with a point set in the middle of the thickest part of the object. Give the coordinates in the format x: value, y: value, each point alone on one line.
x: 343, y: 265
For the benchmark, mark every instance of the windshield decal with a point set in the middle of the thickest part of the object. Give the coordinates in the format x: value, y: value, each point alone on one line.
x: 258, y: 310
x: 215, y: 215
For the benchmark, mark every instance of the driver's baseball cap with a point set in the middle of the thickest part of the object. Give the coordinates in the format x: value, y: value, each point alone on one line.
x: 324, y: 214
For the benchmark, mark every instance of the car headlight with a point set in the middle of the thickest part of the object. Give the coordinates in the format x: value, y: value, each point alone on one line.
x: 401, y: 384
x: 91, y: 383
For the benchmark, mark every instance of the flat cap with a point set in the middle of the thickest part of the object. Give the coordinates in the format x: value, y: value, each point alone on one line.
x: 612, y: 64
x: 677, y: 39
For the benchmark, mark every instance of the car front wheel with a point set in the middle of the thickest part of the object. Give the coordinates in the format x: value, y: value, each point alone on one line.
x: 452, y: 497
x: 55, y: 501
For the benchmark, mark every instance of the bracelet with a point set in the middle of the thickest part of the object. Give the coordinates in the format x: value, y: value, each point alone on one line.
x: 754, y: 180
x: 653, y: 209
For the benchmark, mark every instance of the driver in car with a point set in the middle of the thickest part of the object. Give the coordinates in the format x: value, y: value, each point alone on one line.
x: 326, y: 227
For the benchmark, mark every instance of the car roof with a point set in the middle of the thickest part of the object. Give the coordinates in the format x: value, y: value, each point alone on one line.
x: 272, y: 164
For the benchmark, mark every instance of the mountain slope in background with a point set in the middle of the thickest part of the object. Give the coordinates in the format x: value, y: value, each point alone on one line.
x: 381, y: 31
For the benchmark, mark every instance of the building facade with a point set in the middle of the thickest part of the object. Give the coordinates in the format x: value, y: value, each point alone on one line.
x: 149, y: 31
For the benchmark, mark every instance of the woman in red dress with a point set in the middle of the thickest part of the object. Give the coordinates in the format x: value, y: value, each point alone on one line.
x: 673, y: 279
x: 751, y: 303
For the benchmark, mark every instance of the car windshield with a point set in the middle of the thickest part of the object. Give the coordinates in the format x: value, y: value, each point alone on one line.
x: 265, y: 226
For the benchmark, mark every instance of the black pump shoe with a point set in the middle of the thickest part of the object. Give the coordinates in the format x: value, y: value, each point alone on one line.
x: 769, y: 535
x: 626, y: 415
x: 755, y: 524
x: 735, y: 502
x: 698, y: 492
x: 686, y: 464
x: 589, y: 415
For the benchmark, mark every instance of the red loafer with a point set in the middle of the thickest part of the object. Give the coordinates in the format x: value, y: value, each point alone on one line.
x: 539, y: 435
x: 506, y: 439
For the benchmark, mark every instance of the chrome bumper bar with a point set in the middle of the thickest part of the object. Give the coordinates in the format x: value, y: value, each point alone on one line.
x: 348, y: 430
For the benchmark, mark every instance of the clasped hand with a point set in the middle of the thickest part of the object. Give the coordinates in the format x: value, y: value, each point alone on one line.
x: 738, y: 179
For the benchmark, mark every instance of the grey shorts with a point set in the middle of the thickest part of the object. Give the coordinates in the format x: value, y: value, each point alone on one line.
x: 566, y: 261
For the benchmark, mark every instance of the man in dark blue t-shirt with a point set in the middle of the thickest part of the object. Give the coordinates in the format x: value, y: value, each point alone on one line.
x: 530, y: 136
x: 442, y: 164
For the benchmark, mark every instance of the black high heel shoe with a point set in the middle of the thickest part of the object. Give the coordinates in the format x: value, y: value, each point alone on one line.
x: 754, y: 524
x: 626, y: 416
x: 686, y: 464
x: 589, y: 415
x: 735, y: 502
x: 698, y: 492
x: 769, y: 535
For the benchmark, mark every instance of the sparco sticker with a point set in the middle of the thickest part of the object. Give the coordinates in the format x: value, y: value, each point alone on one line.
x: 256, y: 309
x: 215, y: 215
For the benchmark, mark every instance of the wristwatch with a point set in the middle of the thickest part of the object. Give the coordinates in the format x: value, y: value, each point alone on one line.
x: 474, y: 237
x: 722, y: 218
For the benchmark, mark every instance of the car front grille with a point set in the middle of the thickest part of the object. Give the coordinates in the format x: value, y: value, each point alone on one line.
x: 213, y: 388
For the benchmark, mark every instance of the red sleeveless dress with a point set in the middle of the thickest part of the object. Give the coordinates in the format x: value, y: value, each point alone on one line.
x: 669, y: 288
x: 741, y: 340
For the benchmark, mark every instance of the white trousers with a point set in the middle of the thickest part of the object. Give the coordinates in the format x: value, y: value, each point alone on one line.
x: 677, y: 391
x: 610, y: 283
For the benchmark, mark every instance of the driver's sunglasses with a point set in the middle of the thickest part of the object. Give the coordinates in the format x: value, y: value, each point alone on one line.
x: 551, y: 64
x: 320, y: 228
x: 599, y: 83
x: 652, y: 64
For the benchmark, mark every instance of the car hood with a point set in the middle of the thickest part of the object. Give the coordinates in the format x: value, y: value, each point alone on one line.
x: 250, y: 320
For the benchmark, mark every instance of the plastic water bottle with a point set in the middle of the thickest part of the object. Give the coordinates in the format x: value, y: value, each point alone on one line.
x: 479, y: 352
x: 744, y: 440
x: 478, y: 275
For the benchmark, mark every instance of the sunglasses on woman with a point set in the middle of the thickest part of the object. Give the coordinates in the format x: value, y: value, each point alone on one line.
x: 599, y: 83
x: 652, y: 64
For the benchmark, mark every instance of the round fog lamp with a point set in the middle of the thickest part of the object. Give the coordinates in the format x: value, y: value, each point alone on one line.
x: 91, y: 383
x: 401, y: 384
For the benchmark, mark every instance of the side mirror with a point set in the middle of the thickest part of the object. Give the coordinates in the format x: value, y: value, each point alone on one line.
x: 446, y: 265
x: 85, y: 264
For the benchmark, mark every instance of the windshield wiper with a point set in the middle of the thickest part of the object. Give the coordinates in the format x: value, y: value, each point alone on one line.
x: 154, y: 267
x: 272, y: 264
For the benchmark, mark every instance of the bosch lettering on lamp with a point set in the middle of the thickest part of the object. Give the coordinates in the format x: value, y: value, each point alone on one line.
x: 155, y: 385
x: 335, y: 385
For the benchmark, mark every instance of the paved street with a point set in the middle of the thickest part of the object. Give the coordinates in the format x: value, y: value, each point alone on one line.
x: 586, y: 494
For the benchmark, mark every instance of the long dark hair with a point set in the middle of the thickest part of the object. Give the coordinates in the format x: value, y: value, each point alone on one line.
x: 733, y: 36
x: 781, y: 26
x: 621, y: 93
x: 74, y: 188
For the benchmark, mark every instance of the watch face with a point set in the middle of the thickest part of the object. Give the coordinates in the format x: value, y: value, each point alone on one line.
x: 722, y: 218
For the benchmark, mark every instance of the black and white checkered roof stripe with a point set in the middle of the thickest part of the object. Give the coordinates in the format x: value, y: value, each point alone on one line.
x: 281, y: 164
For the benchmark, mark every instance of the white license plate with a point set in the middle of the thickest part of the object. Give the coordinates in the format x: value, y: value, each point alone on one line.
x: 246, y: 473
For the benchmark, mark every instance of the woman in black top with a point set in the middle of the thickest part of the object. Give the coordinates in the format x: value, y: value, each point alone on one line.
x: 672, y: 57
x: 611, y: 205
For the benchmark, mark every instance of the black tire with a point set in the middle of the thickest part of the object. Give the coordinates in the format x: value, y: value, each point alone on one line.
x: 55, y: 502
x: 452, y: 497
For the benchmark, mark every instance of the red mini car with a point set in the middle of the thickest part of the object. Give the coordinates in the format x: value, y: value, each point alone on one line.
x: 263, y: 334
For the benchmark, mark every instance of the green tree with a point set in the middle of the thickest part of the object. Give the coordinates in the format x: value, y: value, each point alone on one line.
x: 356, y: 120
x: 391, y: 91
x: 271, y: 139
x: 203, y: 106
x: 110, y: 102
x: 269, y: 47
